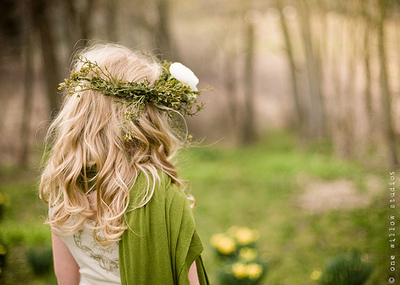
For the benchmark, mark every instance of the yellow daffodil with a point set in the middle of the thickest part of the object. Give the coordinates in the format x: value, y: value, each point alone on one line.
x: 223, y: 243
x: 248, y: 254
x: 227, y: 246
x: 239, y: 270
x: 316, y: 274
x: 254, y: 271
x: 246, y: 236
x: 216, y: 239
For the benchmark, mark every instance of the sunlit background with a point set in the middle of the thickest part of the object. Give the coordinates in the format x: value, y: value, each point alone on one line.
x: 298, y: 140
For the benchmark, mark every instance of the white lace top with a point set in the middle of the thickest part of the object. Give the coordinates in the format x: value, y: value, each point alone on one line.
x: 98, y: 265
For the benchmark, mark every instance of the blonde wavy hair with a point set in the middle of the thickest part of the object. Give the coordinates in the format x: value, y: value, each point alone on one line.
x: 88, y: 134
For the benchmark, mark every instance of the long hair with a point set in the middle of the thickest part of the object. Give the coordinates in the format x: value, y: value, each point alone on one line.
x: 91, y: 167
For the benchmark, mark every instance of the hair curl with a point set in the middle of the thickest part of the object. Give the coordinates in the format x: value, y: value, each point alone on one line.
x: 91, y: 166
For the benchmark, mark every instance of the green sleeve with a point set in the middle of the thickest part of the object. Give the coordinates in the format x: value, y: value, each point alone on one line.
x: 161, y: 241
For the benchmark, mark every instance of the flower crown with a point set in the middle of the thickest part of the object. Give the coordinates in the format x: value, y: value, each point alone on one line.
x: 174, y: 91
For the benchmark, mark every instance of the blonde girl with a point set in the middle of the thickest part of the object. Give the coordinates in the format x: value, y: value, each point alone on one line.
x: 116, y: 208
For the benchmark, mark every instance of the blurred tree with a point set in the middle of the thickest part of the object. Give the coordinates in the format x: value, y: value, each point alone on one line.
x: 298, y: 118
x: 152, y: 19
x: 341, y: 42
x: 78, y: 30
x: 316, y: 119
x: 338, y: 107
x: 345, y: 42
x: 73, y: 31
x: 386, y: 96
x: 238, y: 77
x: 112, y: 27
x: 347, y: 95
x: 162, y: 30
x: 10, y: 60
x: 85, y: 17
x: 28, y: 82
x: 231, y: 86
x: 227, y: 40
x: 248, y: 134
x: 41, y: 18
x: 78, y: 15
x: 10, y: 28
x: 368, y: 28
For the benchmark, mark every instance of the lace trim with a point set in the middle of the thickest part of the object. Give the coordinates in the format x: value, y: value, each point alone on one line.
x: 106, y: 263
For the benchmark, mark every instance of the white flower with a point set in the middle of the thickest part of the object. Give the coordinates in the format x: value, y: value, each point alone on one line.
x: 184, y: 75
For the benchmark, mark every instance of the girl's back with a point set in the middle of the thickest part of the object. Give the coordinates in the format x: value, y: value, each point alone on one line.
x: 114, y: 126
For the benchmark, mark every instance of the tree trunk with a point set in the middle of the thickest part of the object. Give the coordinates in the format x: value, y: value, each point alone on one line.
x: 78, y: 15
x: 338, y: 109
x: 28, y: 87
x: 384, y: 84
x: 298, y: 122
x: 112, y: 29
x: 316, y: 116
x: 50, y: 69
x: 85, y: 18
x: 231, y: 93
x: 249, y: 133
x: 367, y: 68
x: 349, y: 100
x: 162, y: 31
x: 73, y: 30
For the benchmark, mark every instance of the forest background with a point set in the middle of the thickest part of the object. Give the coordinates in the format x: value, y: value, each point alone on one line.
x: 325, y: 71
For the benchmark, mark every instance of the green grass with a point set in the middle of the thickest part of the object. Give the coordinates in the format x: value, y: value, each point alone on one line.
x: 22, y: 227
x: 254, y: 186
x: 257, y: 187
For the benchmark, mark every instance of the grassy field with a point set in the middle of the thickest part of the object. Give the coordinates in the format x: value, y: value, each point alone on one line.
x: 259, y: 187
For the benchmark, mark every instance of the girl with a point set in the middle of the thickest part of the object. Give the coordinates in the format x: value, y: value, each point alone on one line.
x: 117, y: 213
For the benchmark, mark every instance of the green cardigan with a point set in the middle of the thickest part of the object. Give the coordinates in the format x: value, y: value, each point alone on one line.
x: 161, y: 241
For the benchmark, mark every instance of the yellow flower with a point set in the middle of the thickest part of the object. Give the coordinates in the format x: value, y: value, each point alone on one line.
x: 316, y: 274
x: 246, y: 236
x: 248, y: 254
x: 223, y: 243
x: 3, y: 250
x: 216, y: 239
x: 253, y: 271
x: 239, y: 270
x: 227, y: 246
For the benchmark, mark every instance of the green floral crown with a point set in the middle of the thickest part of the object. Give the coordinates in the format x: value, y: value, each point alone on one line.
x: 174, y: 91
